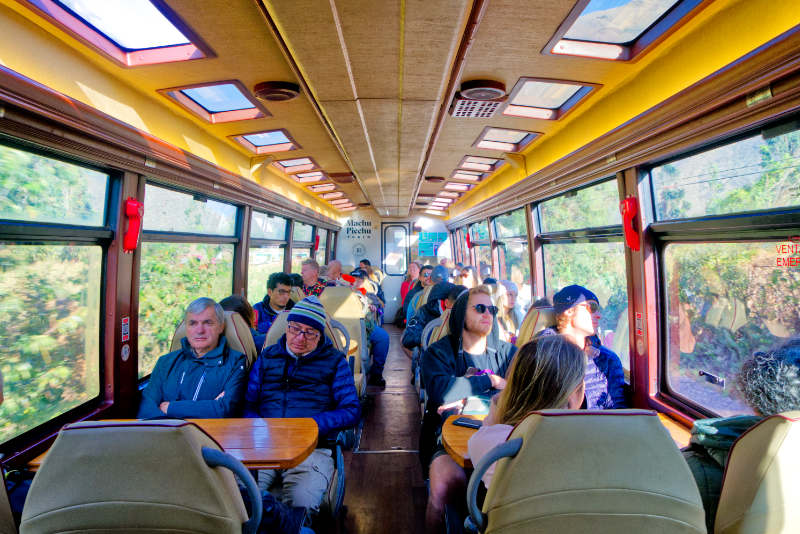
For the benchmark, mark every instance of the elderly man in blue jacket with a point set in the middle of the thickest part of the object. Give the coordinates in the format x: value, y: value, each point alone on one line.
x: 205, y: 378
x: 303, y: 375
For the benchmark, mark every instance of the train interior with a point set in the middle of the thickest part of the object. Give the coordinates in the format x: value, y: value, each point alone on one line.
x: 157, y: 151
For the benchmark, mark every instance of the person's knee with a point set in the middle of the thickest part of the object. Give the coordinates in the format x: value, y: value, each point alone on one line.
x: 446, y: 480
x: 306, y: 484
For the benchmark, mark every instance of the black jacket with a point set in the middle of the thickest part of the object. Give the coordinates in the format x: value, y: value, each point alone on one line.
x: 412, y: 337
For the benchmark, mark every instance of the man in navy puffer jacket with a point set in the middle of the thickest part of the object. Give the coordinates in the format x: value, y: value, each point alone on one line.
x: 303, y: 375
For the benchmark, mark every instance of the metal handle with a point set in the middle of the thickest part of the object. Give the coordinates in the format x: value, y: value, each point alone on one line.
x: 504, y: 450
x: 217, y: 458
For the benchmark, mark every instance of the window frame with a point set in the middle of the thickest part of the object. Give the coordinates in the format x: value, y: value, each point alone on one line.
x: 21, y: 232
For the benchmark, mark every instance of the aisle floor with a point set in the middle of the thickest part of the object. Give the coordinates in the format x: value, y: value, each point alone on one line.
x: 385, y: 489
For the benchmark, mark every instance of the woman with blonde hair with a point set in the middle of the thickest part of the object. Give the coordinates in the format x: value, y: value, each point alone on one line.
x: 469, y: 277
x: 546, y: 373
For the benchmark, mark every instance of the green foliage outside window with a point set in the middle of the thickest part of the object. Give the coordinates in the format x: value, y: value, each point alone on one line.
x: 172, y: 276
x: 590, y: 207
x: 172, y: 211
x: 262, y: 262
x: 35, y: 188
x: 50, y: 331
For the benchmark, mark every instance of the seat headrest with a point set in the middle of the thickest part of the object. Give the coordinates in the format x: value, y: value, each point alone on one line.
x: 442, y: 329
x: 237, y: 333
x: 278, y: 328
x: 341, y: 303
x: 600, y: 472
x: 761, y: 486
x: 114, y: 476
x: 423, y: 298
x: 536, y: 320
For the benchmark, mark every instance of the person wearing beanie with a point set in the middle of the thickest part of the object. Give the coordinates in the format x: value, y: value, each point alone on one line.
x: 577, y: 313
x: 303, y: 375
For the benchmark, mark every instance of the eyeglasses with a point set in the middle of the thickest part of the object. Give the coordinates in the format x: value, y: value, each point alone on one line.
x: 282, y: 291
x: 309, y: 335
x: 591, y: 305
x: 426, y: 274
x: 483, y: 308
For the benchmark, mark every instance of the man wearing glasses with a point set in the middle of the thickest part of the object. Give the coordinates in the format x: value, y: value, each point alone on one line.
x: 469, y: 362
x: 303, y: 375
x: 423, y: 281
x: 577, y: 313
x: 279, y: 286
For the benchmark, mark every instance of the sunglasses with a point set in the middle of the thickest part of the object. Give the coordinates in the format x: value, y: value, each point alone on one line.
x: 483, y: 308
x: 426, y: 275
x: 592, y: 305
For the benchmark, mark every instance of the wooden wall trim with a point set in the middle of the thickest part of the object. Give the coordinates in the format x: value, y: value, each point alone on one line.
x: 35, y: 113
x: 707, y: 110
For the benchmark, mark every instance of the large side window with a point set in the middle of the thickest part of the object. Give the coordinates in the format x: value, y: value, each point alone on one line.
x: 266, y: 253
x: 512, y: 235
x: 322, y: 246
x: 302, y: 234
x: 581, y: 236
x: 50, y: 287
x: 727, y: 293
x: 479, y: 237
x: 187, y: 253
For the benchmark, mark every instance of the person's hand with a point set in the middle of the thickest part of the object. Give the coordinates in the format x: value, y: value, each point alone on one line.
x: 372, y: 308
x: 457, y: 405
x: 164, y: 406
x: 491, y: 418
x: 498, y: 382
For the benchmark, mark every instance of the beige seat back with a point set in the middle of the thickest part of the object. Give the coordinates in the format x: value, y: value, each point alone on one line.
x: 7, y: 525
x: 143, y: 476
x: 423, y: 298
x: 609, y: 472
x: 344, y: 305
x: 536, y: 320
x: 237, y: 333
x: 296, y: 294
x: 441, y: 330
x: 377, y: 276
x: 761, y: 487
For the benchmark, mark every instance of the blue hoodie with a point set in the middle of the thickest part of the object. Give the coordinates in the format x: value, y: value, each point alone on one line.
x: 191, y: 385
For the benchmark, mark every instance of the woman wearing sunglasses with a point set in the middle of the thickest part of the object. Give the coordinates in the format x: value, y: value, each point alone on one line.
x: 577, y: 313
x: 469, y: 277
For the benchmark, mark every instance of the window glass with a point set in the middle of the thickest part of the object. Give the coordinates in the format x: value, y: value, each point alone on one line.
x: 219, y: 97
x: 484, y: 255
x: 263, y: 226
x: 173, y: 275
x: 50, y: 327
x: 725, y: 301
x: 36, y: 188
x: 262, y: 262
x: 172, y: 211
x: 616, y: 21
x: 599, y: 267
x: 302, y: 232
x: 395, y: 246
x: 511, y: 224
x: 479, y: 231
x: 323, y: 241
x: 518, y: 270
x: 590, y: 207
x: 298, y: 255
x: 751, y: 174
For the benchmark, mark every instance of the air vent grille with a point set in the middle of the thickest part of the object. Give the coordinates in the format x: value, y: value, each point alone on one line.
x: 474, y: 109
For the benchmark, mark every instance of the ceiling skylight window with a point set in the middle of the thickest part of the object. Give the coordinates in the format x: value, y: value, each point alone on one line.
x: 335, y: 194
x: 340, y: 201
x: 467, y: 176
x: 267, y: 142
x: 539, y: 98
x: 321, y: 188
x: 434, y: 212
x: 309, y: 177
x: 130, y: 32
x: 504, y: 139
x: 346, y: 208
x: 218, y: 102
x: 453, y: 186
x: 292, y: 166
x: 617, y: 29
x: 448, y: 194
x: 443, y: 200
x: 478, y: 163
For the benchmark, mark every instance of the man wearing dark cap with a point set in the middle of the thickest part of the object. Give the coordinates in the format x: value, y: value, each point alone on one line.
x: 577, y: 313
x: 378, y: 337
x: 303, y: 375
x: 412, y: 336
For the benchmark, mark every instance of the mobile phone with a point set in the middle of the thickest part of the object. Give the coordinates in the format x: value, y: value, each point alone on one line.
x: 467, y: 422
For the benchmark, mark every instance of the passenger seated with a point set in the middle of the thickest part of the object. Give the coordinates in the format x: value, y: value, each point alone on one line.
x: 470, y: 361
x: 577, y: 312
x: 770, y: 384
x: 378, y: 337
x: 205, y: 378
x: 430, y: 311
x: 303, y: 375
x: 334, y: 275
x: 510, y: 313
x: 277, y: 299
x: 239, y: 304
x: 312, y: 283
x: 546, y: 373
x: 423, y: 281
x: 469, y: 277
